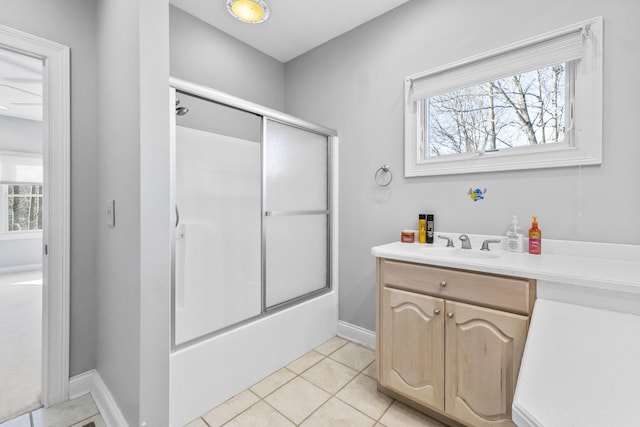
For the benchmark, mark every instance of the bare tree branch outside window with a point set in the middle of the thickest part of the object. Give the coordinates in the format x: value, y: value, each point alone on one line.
x: 520, y: 110
x: 24, y: 208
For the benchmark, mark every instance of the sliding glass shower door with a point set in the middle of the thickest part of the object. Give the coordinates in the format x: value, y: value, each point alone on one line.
x: 218, y: 226
x: 296, y: 212
x: 252, y: 208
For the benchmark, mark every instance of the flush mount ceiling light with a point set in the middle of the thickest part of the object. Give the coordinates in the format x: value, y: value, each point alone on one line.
x: 251, y: 11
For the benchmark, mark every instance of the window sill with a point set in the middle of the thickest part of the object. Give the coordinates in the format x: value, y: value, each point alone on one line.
x: 21, y: 236
x: 512, y: 159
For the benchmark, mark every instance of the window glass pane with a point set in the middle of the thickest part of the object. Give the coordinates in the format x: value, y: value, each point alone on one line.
x: 24, y: 208
x: 520, y: 110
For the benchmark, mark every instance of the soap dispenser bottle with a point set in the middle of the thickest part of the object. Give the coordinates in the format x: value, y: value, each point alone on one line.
x: 515, y: 240
x: 535, y: 238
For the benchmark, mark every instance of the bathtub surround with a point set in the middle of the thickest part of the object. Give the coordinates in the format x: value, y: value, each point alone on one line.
x: 237, y: 292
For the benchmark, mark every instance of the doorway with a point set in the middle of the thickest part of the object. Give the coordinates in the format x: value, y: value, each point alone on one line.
x: 34, y: 185
x: 21, y: 196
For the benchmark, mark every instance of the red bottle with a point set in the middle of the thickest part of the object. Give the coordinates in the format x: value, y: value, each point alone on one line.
x: 535, y: 238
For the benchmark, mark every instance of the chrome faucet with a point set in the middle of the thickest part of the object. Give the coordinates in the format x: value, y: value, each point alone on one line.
x: 466, y: 243
x: 485, y: 244
x: 449, y: 240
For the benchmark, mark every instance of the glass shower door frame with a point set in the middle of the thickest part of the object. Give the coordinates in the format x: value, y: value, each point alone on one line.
x: 267, y: 115
x: 266, y: 214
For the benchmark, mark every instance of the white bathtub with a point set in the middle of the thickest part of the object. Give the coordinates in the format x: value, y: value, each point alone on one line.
x: 210, y: 372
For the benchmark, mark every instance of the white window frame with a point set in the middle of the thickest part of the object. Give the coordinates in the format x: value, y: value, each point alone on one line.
x: 10, y: 174
x: 5, y: 234
x: 584, y: 145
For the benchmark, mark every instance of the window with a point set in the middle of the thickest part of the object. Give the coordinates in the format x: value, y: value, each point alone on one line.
x: 532, y: 104
x: 516, y: 111
x: 24, y: 208
x: 21, y: 195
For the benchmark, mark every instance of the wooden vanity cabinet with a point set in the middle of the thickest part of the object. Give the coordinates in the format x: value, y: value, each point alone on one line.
x: 442, y: 350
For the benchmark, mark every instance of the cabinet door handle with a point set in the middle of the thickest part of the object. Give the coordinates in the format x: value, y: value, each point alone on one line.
x: 450, y: 315
x: 443, y: 284
x: 436, y: 311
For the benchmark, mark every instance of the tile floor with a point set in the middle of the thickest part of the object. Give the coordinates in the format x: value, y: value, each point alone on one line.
x: 73, y: 413
x: 333, y: 385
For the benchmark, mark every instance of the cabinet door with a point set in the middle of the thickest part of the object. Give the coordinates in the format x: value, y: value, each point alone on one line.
x: 412, y: 353
x: 483, y: 353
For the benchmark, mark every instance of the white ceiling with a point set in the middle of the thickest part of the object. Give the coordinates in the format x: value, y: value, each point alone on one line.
x: 20, y: 86
x: 294, y: 26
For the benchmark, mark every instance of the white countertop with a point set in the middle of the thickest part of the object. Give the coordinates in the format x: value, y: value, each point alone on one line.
x: 580, y: 368
x: 598, y: 265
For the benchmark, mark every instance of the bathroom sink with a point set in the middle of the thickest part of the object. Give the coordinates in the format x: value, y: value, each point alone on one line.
x: 459, y: 253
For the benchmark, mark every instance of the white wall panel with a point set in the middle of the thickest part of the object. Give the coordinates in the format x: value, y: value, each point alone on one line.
x: 218, y: 236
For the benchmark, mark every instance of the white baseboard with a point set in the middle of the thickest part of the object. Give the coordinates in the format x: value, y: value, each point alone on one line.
x: 20, y: 268
x: 357, y: 334
x: 81, y: 384
x: 91, y: 382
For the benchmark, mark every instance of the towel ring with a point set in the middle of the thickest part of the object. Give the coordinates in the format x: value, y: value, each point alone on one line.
x: 382, y: 170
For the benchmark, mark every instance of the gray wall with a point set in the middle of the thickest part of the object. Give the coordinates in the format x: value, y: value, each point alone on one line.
x: 118, y: 249
x: 205, y: 55
x: 72, y: 23
x: 133, y: 258
x: 355, y: 85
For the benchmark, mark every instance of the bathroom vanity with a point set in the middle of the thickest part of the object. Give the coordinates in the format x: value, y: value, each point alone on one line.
x: 452, y: 326
x: 452, y: 340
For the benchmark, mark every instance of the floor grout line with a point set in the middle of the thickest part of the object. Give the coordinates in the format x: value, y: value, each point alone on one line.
x: 331, y: 395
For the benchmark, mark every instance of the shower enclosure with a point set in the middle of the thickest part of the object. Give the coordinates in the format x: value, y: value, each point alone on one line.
x: 253, y: 258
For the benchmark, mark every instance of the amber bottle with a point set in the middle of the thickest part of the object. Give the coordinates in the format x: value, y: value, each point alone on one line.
x: 535, y: 238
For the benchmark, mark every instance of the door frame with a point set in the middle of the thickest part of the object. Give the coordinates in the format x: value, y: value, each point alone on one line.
x: 56, y: 207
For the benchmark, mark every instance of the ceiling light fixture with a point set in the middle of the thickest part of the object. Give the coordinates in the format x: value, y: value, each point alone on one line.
x: 251, y: 11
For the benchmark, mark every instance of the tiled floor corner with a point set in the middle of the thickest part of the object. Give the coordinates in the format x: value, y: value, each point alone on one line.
x: 73, y: 413
x: 332, y: 385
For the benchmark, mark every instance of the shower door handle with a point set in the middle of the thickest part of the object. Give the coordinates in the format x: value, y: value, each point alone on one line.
x: 177, y: 216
